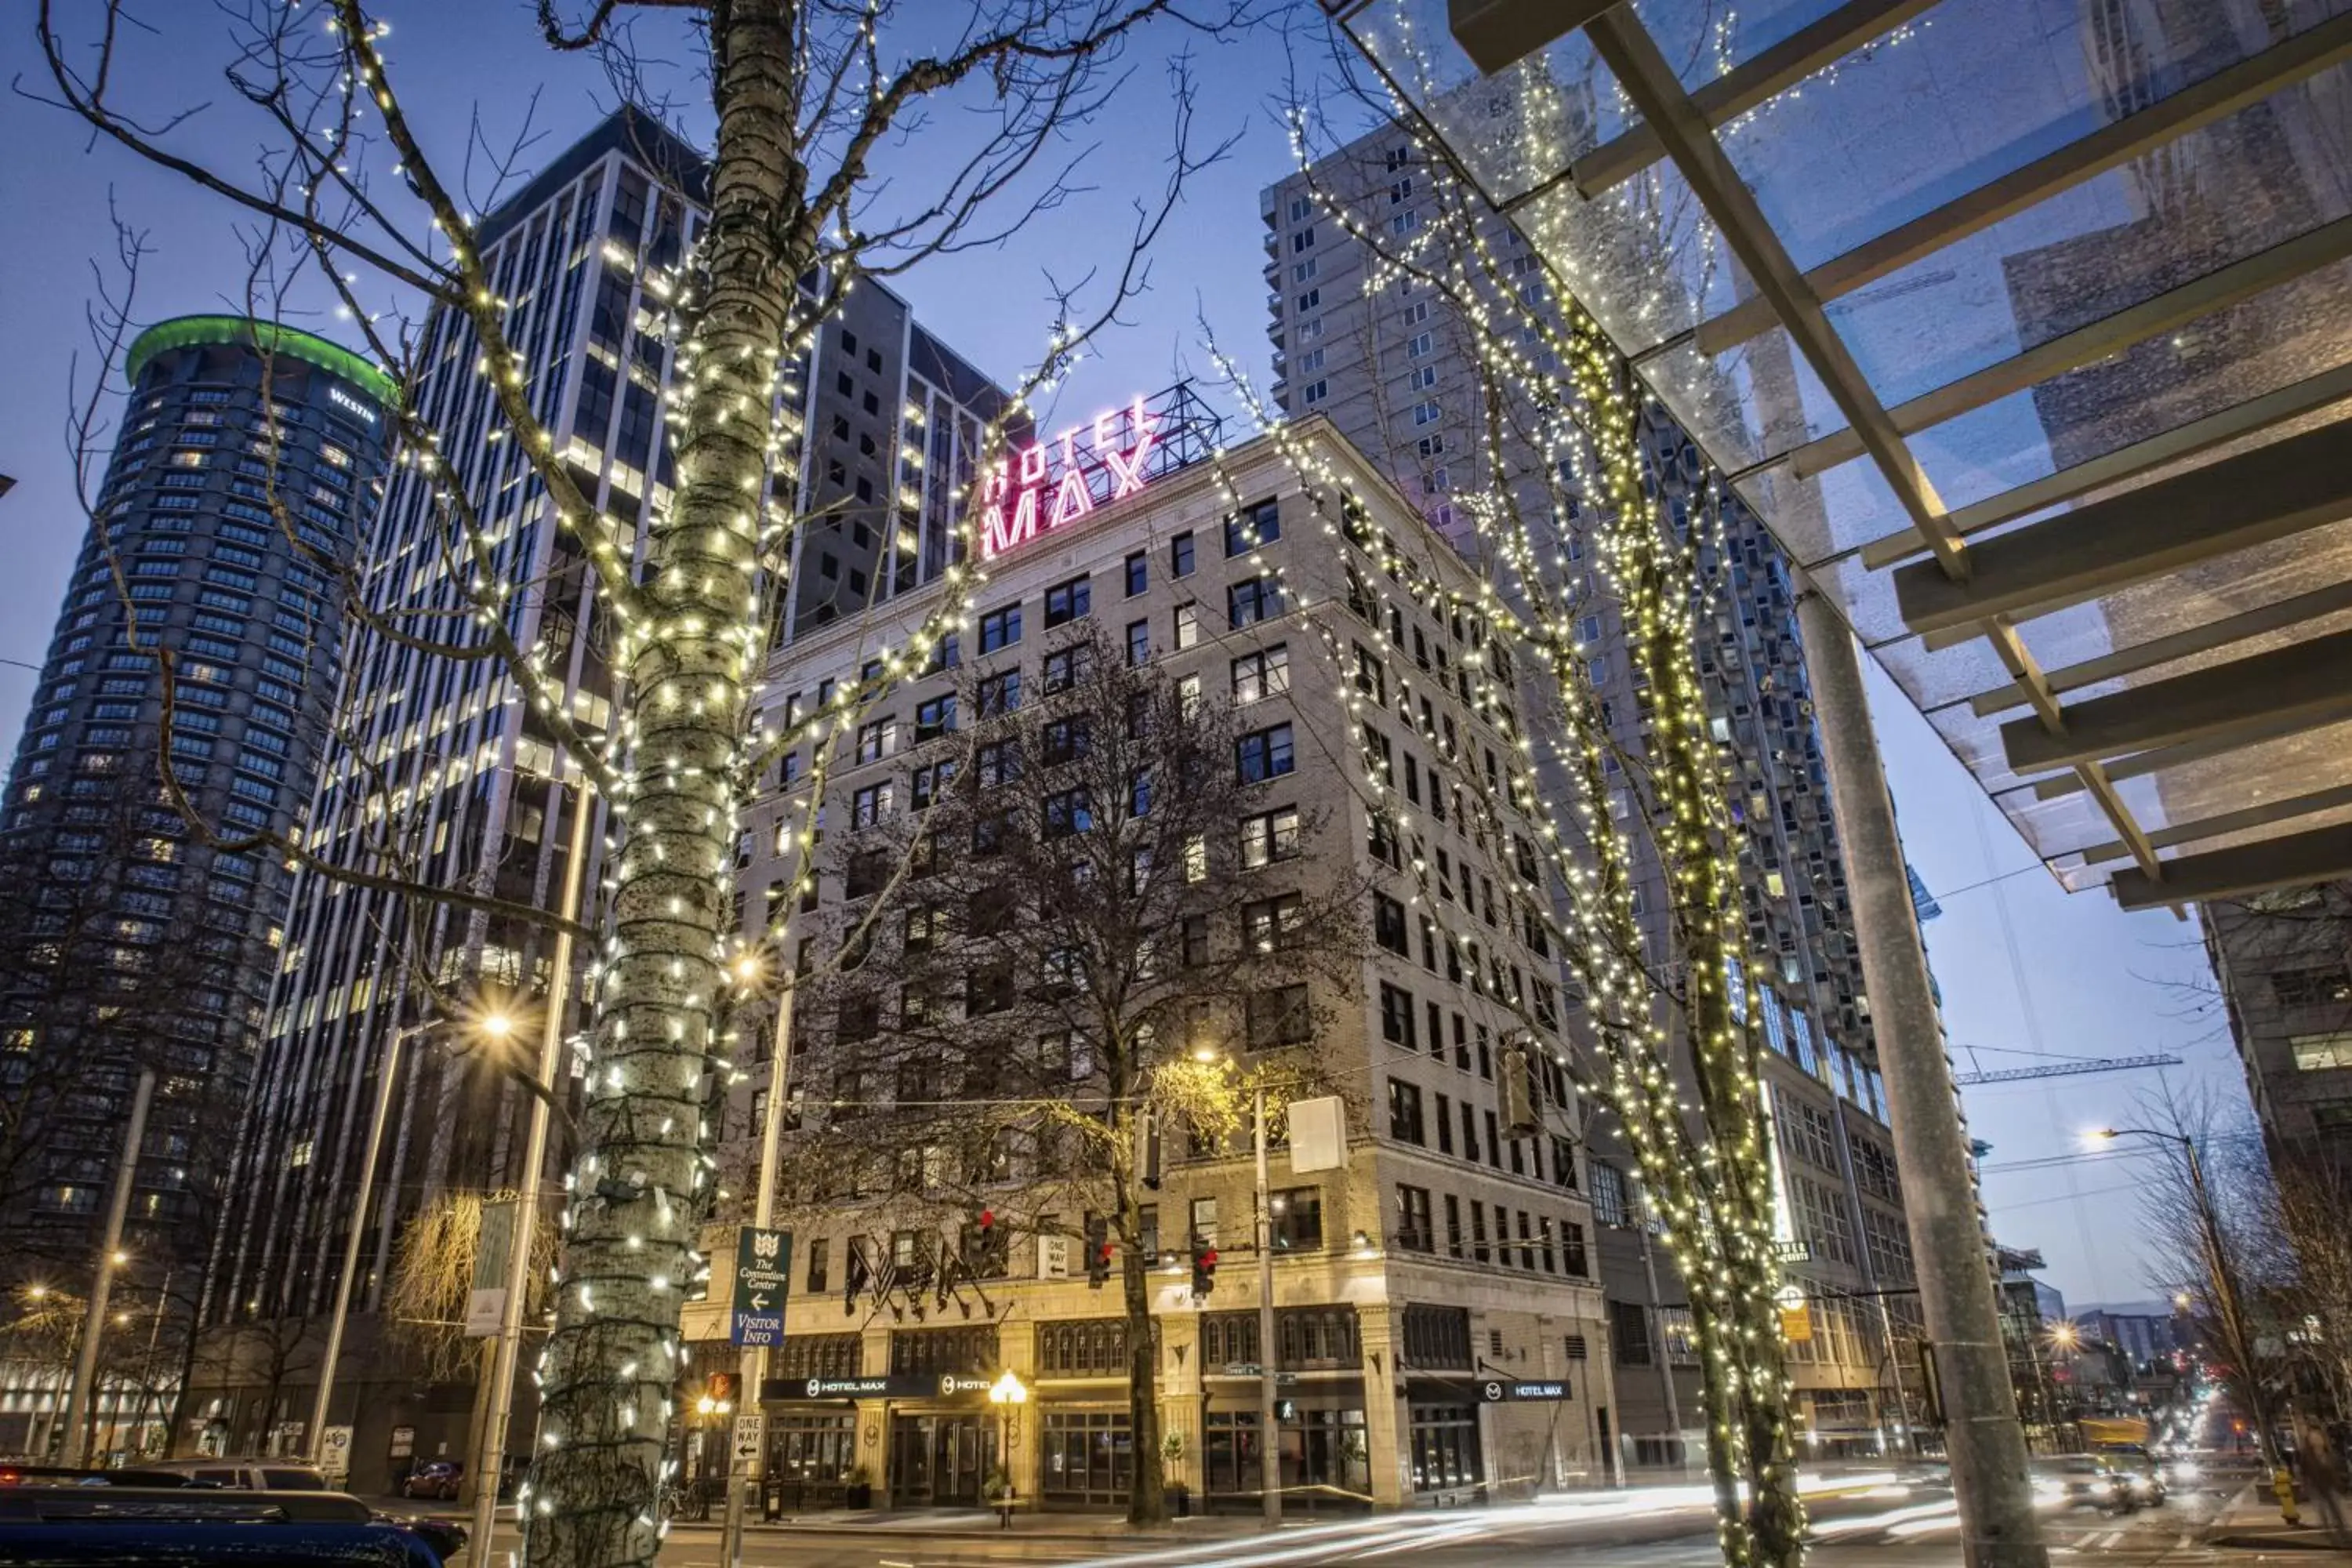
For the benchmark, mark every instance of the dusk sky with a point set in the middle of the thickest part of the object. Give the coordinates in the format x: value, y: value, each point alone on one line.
x: 2023, y: 966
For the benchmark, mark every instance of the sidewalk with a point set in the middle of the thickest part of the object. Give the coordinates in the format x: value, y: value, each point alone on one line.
x: 2250, y: 1520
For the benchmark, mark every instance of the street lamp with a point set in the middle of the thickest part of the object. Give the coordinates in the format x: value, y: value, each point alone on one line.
x: 2218, y: 1276
x: 1008, y: 1394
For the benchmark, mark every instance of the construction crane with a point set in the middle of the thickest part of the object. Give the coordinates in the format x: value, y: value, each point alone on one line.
x: 2065, y: 1069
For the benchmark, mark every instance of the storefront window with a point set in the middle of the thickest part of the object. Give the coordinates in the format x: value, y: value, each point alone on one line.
x: 1445, y: 1446
x: 813, y: 1449
x: 1089, y: 1456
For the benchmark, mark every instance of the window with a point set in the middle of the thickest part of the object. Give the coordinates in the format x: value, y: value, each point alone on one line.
x: 1314, y: 391
x: 870, y: 805
x: 1179, y: 555
x: 1265, y: 673
x: 1415, y: 1233
x: 1138, y: 643
x: 877, y: 739
x: 1138, y: 573
x: 1252, y: 600
x: 1609, y: 1199
x: 1269, y: 837
x: 1264, y: 754
x: 1426, y: 413
x: 1297, y: 1220
x: 1205, y: 1220
x: 1000, y: 628
x: 1388, y: 925
x: 1405, y: 1123
x: 2315, y: 987
x: 1067, y: 667
x: 1067, y: 601
x: 1188, y: 625
x: 1572, y: 1255
x: 2317, y: 1053
x: 1397, y: 1025
x: 1629, y: 1334
x: 1260, y: 524
x: 1068, y: 740
x: 935, y: 718
x: 1000, y: 694
x: 1068, y: 812
x: 1279, y: 1016
x: 1269, y: 924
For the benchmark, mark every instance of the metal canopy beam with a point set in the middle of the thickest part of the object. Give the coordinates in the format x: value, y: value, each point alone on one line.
x: 2298, y: 686
x: 2269, y: 493
x: 1497, y: 34
x: 1646, y: 78
x: 2217, y: 96
x: 2240, y: 280
x: 2322, y: 855
x: 2262, y: 815
x: 1726, y: 97
x: 2203, y: 638
x: 2125, y: 463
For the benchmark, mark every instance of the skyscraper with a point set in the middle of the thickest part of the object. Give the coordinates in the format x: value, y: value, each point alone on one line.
x: 199, y: 632
x: 1395, y: 368
x: 441, y: 775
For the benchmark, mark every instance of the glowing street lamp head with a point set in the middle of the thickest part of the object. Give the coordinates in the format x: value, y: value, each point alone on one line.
x: 496, y: 1026
x: 2099, y: 1137
x: 1008, y: 1390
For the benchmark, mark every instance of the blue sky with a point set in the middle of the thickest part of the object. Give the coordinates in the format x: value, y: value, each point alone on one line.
x: 2094, y: 980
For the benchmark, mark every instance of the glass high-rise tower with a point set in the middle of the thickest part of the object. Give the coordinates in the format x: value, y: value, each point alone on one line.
x: 200, y: 633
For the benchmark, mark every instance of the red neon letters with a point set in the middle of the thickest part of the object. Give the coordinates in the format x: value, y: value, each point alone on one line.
x: 1051, y: 484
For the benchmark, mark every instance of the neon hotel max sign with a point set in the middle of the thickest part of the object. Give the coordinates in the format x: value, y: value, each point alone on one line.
x: 1051, y: 484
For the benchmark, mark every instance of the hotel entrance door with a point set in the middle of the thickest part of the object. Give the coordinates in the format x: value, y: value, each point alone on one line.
x: 941, y: 1461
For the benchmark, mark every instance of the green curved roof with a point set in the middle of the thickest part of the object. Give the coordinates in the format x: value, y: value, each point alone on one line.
x: 188, y: 331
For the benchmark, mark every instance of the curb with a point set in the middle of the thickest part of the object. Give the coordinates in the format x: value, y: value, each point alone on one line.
x: 2299, y: 1541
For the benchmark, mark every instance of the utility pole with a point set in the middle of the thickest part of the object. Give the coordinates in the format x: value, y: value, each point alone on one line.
x: 754, y: 1368
x: 82, y: 1398
x: 1986, y: 1444
x: 490, y: 1463
x: 1269, y: 1457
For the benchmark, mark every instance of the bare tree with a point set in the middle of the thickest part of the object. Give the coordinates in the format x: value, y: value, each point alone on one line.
x: 2214, y: 1214
x: 1076, y: 957
x: 805, y: 98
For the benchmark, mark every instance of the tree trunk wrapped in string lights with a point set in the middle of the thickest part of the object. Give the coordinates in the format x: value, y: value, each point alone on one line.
x: 804, y: 98
x: 1563, y: 421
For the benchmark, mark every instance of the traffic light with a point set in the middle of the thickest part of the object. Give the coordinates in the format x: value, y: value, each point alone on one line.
x: 1204, y: 1266
x: 1097, y: 1252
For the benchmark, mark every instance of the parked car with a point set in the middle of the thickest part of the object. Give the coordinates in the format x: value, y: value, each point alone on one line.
x: 258, y: 1474
x: 87, y: 1518
x: 435, y: 1480
x: 2082, y: 1480
x: 2142, y: 1475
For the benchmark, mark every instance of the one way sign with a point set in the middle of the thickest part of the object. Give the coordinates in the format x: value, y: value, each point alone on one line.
x: 763, y: 1261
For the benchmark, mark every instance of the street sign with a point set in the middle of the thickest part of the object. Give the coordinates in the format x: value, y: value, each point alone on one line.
x: 485, y: 1303
x: 750, y: 1429
x: 335, y: 1453
x: 763, y: 1258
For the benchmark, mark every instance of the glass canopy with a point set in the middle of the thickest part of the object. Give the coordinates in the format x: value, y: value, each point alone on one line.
x: 2026, y: 325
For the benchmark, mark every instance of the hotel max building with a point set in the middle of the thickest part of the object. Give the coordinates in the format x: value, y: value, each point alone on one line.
x: 1446, y: 1257
x: 478, y: 795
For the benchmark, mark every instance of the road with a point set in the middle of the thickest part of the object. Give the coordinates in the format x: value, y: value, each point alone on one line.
x: 1891, y: 1527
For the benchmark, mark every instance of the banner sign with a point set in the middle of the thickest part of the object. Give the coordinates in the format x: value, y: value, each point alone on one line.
x: 763, y: 1258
